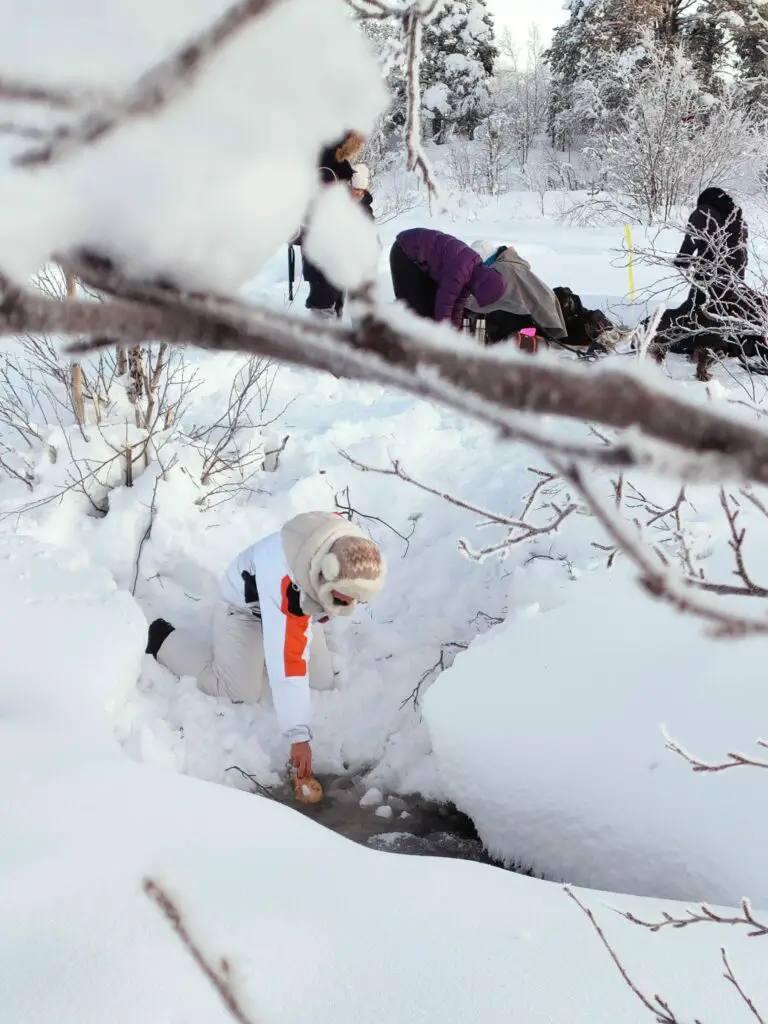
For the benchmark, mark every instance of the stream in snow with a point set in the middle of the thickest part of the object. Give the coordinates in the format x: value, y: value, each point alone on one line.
x: 400, y: 824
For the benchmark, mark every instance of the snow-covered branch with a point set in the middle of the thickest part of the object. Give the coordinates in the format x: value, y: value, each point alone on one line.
x: 417, y: 159
x: 660, y: 581
x: 519, y: 529
x: 697, y: 442
x: 154, y: 89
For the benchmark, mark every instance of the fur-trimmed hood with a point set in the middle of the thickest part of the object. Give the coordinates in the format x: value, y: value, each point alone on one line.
x: 307, y: 541
x: 336, y: 160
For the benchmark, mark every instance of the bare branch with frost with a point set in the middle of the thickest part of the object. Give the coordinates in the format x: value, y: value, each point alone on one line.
x: 15, y: 90
x: 732, y: 759
x: 704, y: 914
x: 660, y: 1008
x: 698, y: 442
x: 218, y: 974
x: 520, y: 530
x: 655, y: 576
x: 417, y: 158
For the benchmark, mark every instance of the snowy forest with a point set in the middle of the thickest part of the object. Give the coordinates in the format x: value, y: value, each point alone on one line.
x: 383, y: 512
x: 640, y: 104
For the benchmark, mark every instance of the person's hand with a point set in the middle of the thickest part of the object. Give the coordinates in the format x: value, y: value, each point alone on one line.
x: 301, y: 759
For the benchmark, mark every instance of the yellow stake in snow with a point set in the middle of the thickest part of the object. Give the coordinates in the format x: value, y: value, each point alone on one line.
x: 628, y: 233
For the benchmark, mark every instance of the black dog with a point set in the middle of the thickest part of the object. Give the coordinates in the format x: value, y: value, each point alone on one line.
x: 584, y: 325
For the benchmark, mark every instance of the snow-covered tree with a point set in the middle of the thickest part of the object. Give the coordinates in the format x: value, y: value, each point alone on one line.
x: 583, y: 44
x: 671, y: 138
x: 459, y: 53
x: 747, y: 25
x: 717, y: 36
x: 519, y: 97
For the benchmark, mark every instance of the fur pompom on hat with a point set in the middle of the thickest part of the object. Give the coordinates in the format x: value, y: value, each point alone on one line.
x: 354, y: 567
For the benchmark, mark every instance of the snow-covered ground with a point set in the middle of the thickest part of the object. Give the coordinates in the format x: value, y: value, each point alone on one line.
x: 545, y: 731
x: 315, y: 928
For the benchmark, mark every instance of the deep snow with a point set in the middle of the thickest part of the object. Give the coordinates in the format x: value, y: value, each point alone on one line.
x: 85, y: 822
x: 316, y: 928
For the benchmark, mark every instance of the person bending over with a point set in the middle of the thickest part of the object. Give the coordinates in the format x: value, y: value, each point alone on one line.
x: 435, y: 274
x: 267, y: 625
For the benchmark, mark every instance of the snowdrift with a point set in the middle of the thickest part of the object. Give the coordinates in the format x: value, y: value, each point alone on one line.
x: 317, y: 929
x: 547, y: 734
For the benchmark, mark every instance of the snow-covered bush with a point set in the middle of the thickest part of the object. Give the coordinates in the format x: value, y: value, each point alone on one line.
x: 81, y: 429
x: 667, y: 139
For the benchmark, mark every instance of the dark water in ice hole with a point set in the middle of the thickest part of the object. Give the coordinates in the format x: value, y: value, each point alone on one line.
x: 429, y: 830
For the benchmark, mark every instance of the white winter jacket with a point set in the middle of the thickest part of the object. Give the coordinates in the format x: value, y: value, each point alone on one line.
x: 276, y: 581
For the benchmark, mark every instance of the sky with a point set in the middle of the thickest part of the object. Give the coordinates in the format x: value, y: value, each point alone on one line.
x: 519, y: 15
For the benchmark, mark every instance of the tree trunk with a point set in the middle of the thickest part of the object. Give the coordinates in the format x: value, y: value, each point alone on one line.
x: 76, y: 387
x: 76, y: 371
x: 136, y: 381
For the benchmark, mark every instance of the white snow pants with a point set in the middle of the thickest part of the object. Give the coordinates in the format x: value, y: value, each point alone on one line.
x: 234, y: 667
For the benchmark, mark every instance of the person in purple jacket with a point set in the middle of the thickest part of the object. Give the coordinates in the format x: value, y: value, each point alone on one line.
x: 434, y: 274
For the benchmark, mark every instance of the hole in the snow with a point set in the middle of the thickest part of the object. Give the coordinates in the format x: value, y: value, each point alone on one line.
x: 399, y: 824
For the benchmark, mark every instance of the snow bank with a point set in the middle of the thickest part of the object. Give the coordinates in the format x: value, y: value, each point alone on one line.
x: 317, y: 929
x: 547, y: 734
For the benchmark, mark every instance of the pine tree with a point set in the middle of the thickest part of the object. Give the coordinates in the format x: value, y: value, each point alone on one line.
x: 706, y: 45
x: 748, y: 32
x: 458, y: 57
x: 598, y: 33
x: 596, y: 30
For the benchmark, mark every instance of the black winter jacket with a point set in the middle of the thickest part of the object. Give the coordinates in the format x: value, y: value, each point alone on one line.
x: 333, y: 169
x: 367, y: 204
x: 716, y: 237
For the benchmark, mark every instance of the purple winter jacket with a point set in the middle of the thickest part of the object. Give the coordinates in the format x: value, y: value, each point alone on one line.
x: 457, y: 270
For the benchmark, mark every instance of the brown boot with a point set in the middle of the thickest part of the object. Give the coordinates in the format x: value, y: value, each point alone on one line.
x: 703, y: 359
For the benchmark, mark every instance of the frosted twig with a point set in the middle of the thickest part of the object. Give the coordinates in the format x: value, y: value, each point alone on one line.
x: 748, y: 586
x: 527, y: 531
x: 730, y: 976
x: 154, y: 90
x: 219, y: 975
x: 673, y: 510
x: 440, y: 665
x: 703, y: 914
x: 736, y: 544
x: 655, y: 577
x: 18, y: 91
x: 657, y: 1006
x: 348, y: 510
x: 147, y: 533
x: 699, y: 442
x: 396, y: 469
x: 417, y: 158
x: 733, y: 759
x: 22, y: 131
x: 544, y: 479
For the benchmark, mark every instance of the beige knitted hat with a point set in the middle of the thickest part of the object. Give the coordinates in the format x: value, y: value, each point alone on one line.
x: 353, y: 566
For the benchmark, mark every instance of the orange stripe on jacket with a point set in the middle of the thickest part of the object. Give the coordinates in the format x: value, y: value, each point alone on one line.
x: 296, y: 639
